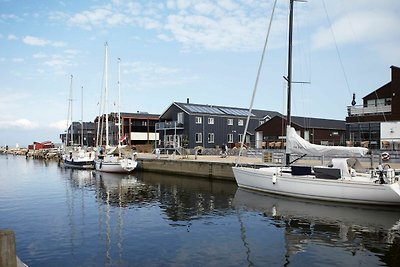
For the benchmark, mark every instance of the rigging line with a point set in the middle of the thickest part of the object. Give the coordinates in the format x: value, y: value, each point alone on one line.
x: 337, y: 48
x: 340, y: 58
x: 256, y: 84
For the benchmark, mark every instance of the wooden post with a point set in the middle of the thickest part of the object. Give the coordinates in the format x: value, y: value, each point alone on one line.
x: 8, y: 257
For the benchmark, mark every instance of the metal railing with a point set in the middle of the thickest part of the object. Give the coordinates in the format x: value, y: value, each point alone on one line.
x: 370, y: 110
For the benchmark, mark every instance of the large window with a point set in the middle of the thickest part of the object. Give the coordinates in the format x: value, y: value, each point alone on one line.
x: 240, y: 138
x: 210, y: 138
x: 198, y: 120
x: 179, y: 117
x: 230, y: 138
x: 199, y: 138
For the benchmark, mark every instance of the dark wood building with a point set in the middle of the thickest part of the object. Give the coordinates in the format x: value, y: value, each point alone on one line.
x: 85, y: 134
x: 137, y: 128
x: 272, y: 134
x: 376, y: 122
x: 190, y: 125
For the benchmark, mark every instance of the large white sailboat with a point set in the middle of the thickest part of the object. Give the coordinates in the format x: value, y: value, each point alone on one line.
x: 115, y: 159
x: 341, y: 181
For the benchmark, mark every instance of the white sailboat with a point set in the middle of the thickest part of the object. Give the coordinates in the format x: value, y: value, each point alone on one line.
x: 76, y: 156
x: 117, y: 159
x: 338, y: 181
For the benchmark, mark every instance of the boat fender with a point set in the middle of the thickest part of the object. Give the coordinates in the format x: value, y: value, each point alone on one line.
x: 274, y: 178
x: 385, y: 156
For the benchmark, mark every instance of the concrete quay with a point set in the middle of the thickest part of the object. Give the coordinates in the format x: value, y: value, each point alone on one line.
x: 216, y: 167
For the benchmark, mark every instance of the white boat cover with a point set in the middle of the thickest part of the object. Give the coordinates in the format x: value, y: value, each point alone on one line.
x: 297, y: 145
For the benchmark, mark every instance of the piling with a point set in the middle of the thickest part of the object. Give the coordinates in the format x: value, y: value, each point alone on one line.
x: 8, y: 257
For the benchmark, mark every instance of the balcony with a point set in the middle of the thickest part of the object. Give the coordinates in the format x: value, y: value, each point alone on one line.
x: 169, y: 125
x: 369, y: 110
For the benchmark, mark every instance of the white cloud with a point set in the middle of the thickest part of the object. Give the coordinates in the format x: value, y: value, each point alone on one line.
x: 9, y: 17
x: 150, y: 75
x: 19, y: 123
x: 59, y: 125
x: 12, y: 37
x: 371, y: 27
x: 17, y: 60
x: 35, y: 41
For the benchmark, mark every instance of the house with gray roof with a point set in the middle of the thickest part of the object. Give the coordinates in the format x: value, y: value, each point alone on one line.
x: 272, y: 133
x: 191, y: 125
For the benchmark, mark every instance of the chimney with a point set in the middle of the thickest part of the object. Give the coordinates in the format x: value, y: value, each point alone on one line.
x: 187, y: 100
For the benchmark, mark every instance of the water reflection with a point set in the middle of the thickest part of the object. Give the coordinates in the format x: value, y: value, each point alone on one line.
x: 308, y: 223
x: 186, y: 198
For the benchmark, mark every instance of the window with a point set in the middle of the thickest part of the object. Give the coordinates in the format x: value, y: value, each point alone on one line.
x: 230, y: 138
x: 179, y: 117
x: 240, y: 122
x: 260, y: 123
x: 240, y: 138
x: 199, y: 138
x: 230, y: 121
x: 210, y: 138
x: 198, y: 120
x: 210, y: 120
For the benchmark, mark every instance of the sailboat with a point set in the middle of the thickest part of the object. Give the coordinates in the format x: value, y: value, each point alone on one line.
x: 341, y: 181
x: 76, y: 156
x: 115, y: 159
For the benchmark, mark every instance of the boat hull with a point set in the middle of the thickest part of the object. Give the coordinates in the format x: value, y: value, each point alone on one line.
x: 116, y: 166
x: 79, y: 164
x: 272, y: 180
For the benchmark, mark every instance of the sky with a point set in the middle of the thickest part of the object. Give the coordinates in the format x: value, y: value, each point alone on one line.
x: 208, y: 51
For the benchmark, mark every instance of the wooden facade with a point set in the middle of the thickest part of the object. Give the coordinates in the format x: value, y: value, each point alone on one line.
x: 196, y: 125
x: 365, y: 122
x: 137, y: 128
x: 315, y: 130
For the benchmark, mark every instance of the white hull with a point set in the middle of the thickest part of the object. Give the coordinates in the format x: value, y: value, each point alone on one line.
x: 310, y: 187
x: 116, y: 165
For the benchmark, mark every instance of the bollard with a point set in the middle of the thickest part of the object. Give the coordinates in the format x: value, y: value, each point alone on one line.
x: 8, y: 257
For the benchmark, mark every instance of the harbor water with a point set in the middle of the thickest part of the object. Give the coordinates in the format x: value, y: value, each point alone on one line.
x: 64, y: 217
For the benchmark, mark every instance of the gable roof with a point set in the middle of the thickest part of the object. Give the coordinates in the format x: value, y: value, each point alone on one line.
x: 316, y: 123
x: 202, y: 109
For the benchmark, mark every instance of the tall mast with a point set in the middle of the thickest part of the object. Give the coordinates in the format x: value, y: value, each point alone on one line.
x: 289, y: 77
x: 106, y: 92
x: 82, y: 115
x: 119, y: 101
x: 70, y: 113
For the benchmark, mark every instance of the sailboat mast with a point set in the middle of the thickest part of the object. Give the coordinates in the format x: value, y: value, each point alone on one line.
x: 106, y: 92
x: 119, y: 101
x: 70, y: 109
x: 289, y: 77
x: 82, y: 116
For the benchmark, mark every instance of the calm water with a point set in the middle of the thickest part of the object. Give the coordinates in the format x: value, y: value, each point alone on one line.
x: 64, y: 217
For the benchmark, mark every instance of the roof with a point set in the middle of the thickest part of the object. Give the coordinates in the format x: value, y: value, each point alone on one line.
x: 316, y: 123
x: 140, y: 115
x: 202, y: 109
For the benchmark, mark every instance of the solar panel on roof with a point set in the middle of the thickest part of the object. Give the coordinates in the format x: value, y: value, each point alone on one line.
x: 237, y: 112
x: 203, y: 109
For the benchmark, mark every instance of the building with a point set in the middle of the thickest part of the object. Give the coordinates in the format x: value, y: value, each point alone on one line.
x: 376, y: 123
x: 191, y: 125
x: 81, y: 134
x: 272, y: 133
x: 41, y: 145
x: 137, y: 128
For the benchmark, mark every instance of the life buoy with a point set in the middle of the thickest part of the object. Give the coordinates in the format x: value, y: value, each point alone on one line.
x: 385, y: 156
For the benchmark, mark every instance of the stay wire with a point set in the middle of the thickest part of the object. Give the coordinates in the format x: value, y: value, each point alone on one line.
x: 256, y: 84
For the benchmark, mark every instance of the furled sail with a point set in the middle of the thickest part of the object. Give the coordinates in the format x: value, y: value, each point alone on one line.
x: 297, y: 145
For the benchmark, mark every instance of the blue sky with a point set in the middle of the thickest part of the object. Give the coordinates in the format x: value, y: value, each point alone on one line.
x: 171, y: 50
